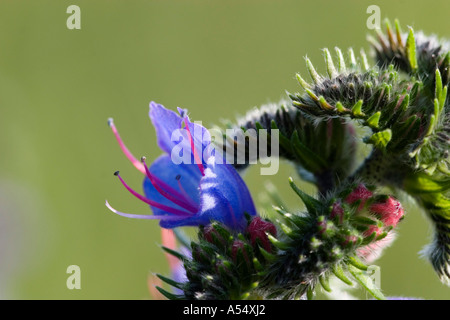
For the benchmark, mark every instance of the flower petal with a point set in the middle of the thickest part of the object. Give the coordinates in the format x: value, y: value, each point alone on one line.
x: 165, y: 122
x: 183, y: 178
x: 225, y: 197
x: 201, y: 137
x: 170, y: 133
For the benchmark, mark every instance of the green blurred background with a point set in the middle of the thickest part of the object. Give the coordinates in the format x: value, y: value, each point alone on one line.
x: 216, y: 58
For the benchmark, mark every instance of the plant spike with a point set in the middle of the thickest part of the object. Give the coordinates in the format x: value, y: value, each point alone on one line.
x: 401, y: 100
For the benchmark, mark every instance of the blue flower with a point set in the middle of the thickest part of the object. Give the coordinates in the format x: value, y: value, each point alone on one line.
x: 188, y: 185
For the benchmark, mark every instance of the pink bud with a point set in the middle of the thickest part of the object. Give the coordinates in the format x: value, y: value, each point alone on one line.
x: 258, y: 229
x: 337, y: 211
x: 239, y: 245
x: 360, y: 193
x: 350, y: 239
x: 390, y: 211
x: 322, y: 226
x: 372, y: 229
x: 208, y: 233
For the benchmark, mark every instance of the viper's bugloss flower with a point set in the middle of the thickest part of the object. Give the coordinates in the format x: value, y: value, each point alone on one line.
x: 188, y: 185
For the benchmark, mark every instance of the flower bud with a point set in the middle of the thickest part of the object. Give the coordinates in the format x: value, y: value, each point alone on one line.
x: 257, y: 230
x: 239, y: 245
x: 390, y: 211
x: 350, y: 240
x: 373, y: 228
x: 337, y: 211
x: 361, y: 194
x: 216, y: 234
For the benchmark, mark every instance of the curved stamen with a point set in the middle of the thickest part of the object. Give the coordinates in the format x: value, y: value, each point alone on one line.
x: 197, y: 159
x: 125, y: 150
x: 185, y: 194
x: 142, y: 216
x: 151, y: 202
x: 171, y: 194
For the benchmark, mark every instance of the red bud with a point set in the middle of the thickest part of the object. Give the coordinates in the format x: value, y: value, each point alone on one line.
x: 257, y: 230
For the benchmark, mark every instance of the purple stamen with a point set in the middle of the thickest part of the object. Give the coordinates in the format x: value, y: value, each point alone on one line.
x: 151, y: 202
x: 125, y: 150
x: 171, y: 194
x: 186, y: 196
x: 197, y: 159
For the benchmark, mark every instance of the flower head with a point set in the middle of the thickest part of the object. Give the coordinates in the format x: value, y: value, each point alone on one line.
x: 188, y: 185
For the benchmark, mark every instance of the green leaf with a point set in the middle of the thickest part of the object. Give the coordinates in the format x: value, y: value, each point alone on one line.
x: 380, y: 139
x: 398, y: 32
x: 357, y: 263
x: 420, y: 182
x: 438, y: 85
x: 442, y: 99
x: 313, y: 205
x: 175, y: 253
x: 244, y: 296
x: 171, y: 282
x: 340, y: 274
x: 374, y: 120
x: 258, y: 126
x: 310, y: 293
x: 286, y: 229
x: 277, y: 243
x: 332, y: 73
x: 325, y: 105
x: 340, y: 108
x: 357, y: 109
x: 257, y: 265
x: 366, y: 282
x: 169, y: 295
x: 364, y: 220
x: 351, y: 55
x: 325, y: 283
x: 312, y: 72
x: 405, y: 103
x: 312, y: 95
x: 341, y: 60
x: 268, y: 256
x: 302, y: 82
x: 411, y: 50
x: 365, y: 62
